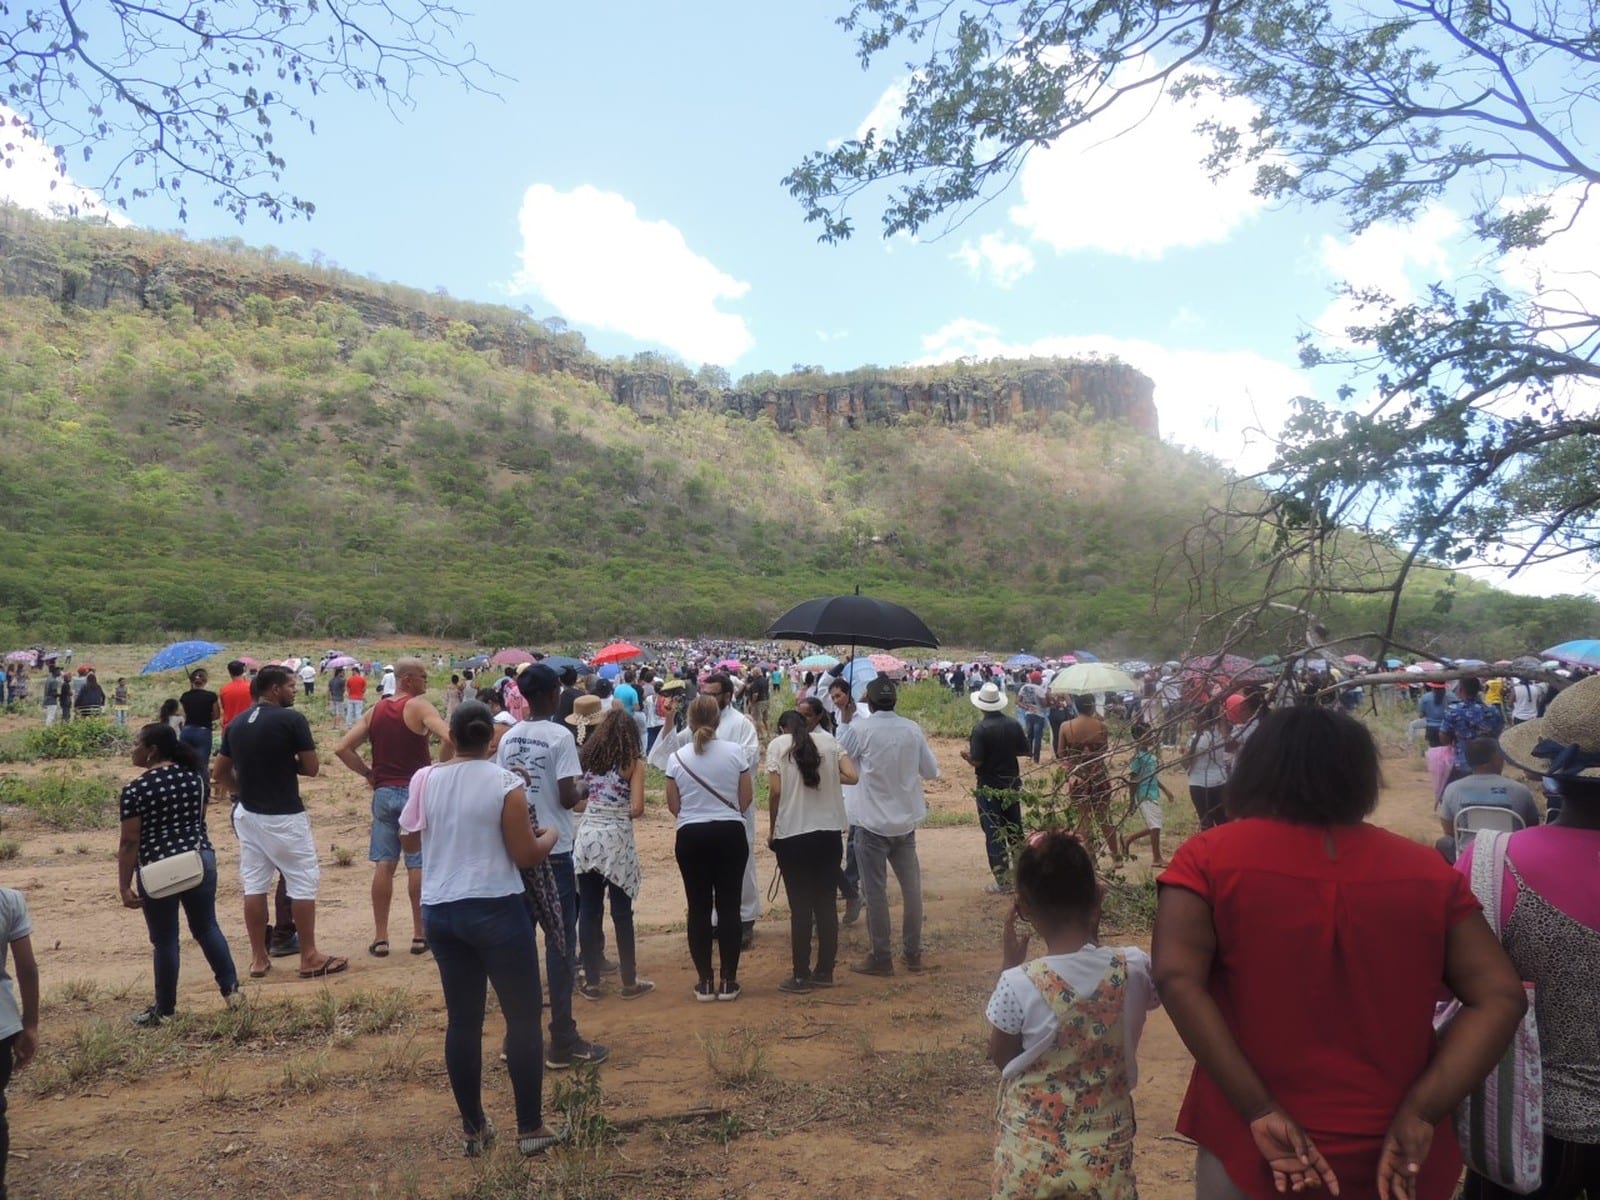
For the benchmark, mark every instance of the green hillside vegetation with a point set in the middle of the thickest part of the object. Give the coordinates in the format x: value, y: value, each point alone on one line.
x: 293, y: 470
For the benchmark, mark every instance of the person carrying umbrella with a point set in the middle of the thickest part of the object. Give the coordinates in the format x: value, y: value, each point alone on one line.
x: 994, y: 750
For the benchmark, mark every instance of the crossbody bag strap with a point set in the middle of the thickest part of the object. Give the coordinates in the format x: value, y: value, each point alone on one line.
x: 703, y: 783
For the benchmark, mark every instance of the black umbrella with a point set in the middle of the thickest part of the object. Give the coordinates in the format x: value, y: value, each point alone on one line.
x: 854, y: 620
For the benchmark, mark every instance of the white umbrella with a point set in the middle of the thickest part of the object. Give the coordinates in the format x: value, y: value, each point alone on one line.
x: 1086, y: 677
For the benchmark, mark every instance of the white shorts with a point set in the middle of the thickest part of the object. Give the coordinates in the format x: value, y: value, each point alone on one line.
x: 276, y: 842
x: 1150, y: 811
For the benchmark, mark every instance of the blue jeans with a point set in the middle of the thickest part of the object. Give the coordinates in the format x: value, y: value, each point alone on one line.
x: 1035, y: 724
x: 1000, y: 818
x: 560, y: 969
x: 199, y: 905
x: 477, y: 942
x: 383, y: 845
x: 198, y: 739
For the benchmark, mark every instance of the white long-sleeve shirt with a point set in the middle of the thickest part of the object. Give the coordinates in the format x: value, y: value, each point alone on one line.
x: 734, y: 727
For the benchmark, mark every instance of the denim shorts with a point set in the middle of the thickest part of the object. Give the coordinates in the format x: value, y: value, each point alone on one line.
x: 387, y: 803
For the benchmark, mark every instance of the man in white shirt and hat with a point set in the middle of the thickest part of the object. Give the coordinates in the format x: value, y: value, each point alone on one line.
x: 737, y: 728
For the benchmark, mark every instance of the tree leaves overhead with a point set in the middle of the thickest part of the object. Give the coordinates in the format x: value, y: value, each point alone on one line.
x: 187, y: 97
x: 1462, y: 426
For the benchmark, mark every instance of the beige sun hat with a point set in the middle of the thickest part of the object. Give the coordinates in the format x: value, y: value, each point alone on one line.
x: 990, y: 698
x: 1566, y: 740
x: 587, y: 710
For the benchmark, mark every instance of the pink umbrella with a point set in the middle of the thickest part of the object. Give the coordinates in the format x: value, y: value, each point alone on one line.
x: 730, y: 664
x: 343, y: 660
x: 292, y: 663
x: 21, y: 656
x: 511, y: 656
x: 1358, y: 660
x: 887, y: 663
x: 247, y: 661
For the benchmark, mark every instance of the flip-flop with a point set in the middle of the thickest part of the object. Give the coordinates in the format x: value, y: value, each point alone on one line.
x: 419, y: 945
x: 379, y: 948
x: 261, y: 974
x: 331, y: 965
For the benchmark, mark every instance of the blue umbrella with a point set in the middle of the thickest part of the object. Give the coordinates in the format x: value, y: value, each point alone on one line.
x: 610, y: 671
x: 560, y: 662
x: 1084, y: 656
x: 1585, y: 652
x: 180, y: 654
x: 1024, y: 660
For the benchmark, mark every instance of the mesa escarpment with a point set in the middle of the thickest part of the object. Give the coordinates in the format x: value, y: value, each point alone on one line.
x: 103, y: 267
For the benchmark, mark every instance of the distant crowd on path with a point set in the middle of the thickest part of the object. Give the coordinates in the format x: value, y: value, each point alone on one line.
x: 1287, y: 922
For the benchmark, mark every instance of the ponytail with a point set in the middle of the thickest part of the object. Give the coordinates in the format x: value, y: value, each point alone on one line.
x: 705, y: 714
x: 802, y: 748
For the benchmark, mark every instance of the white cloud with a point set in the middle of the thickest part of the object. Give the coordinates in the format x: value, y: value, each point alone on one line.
x: 996, y: 256
x: 596, y: 259
x: 31, y: 178
x: 1564, y: 273
x: 1226, y: 403
x: 1143, y: 190
x: 884, y: 118
x: 1394, y: 260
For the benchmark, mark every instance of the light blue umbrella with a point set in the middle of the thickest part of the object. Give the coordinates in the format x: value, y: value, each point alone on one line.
x: 1085, y: 656
x: 1585, y: 652
x: 610, y: 671
x: 1024, y: 660
x: 180, y: 654
x: 816, y: 660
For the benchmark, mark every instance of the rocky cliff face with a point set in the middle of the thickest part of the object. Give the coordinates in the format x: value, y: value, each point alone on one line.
x: 115, y: 267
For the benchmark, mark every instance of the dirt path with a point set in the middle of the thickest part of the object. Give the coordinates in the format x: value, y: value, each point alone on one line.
x: 878, y: 1088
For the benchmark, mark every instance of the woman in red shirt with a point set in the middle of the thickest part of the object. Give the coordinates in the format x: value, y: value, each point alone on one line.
x: 1300, y: 952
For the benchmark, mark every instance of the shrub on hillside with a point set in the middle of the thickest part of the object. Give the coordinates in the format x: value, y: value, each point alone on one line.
x: 88, y: 737
x: 61, y: 801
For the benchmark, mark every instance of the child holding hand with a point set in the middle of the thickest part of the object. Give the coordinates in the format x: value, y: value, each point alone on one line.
x: 1065, y: 1028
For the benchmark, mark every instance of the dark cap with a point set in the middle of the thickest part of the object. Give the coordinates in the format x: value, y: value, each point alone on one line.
x: 881, y: 690
x: 536, y: 680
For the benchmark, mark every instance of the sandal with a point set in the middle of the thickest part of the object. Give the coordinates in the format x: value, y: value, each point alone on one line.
x: 331, y: 965
x: 419, y: 945
x: 379, y: 948
x: 530, y: 1144
x: 262, y: 973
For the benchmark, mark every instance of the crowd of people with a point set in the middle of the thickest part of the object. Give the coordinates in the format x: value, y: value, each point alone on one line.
x: 1299, y: 949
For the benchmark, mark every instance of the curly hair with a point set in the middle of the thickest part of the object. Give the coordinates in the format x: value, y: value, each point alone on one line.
x: 613, y: 745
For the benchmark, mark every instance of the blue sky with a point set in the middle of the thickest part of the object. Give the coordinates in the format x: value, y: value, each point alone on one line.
x: 627, y: 178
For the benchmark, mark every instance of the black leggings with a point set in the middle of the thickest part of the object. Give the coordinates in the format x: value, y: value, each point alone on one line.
x: 1207, y: 803
x: 711, y: 857
x: 810, y: 866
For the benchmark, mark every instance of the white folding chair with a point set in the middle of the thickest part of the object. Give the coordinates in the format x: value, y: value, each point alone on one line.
x: 1475, y: 818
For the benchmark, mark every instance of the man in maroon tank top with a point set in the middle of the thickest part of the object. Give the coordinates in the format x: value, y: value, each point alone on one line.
x: 398, y: 728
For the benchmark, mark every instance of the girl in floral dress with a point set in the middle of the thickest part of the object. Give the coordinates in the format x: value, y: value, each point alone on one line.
x: 603, y: 850
x: 1066, y: 1027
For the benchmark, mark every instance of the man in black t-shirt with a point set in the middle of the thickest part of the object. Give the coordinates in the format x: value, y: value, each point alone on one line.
x: 994, y: 750
x: 265, y: 750
x: 757, y: 697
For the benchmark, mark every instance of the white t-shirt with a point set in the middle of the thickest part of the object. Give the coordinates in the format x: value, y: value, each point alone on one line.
x: 308, y: 674
x: 1525, y: 700
x: 504, y: 718
x: 543, y: 753
x: 456, y: 806
x: 720, y: 765
x: 1208, y: 768
x: 802, y: 809
x: 1019, y: 1007
x: 15, y: 925
x: 386, y: 684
